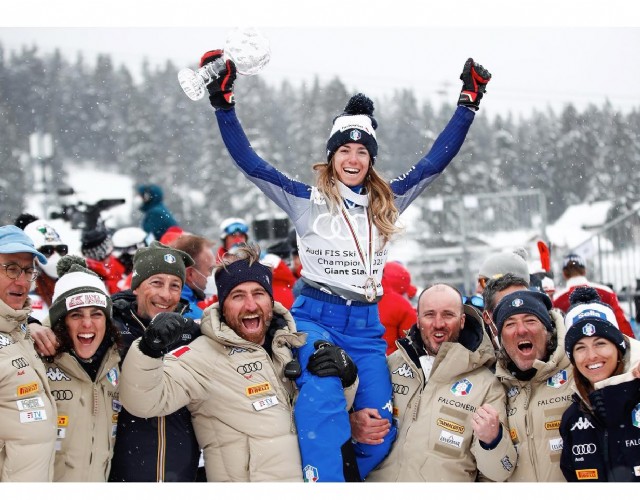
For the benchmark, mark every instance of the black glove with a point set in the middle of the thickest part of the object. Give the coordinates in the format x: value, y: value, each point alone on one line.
x: 332, y: 361
x: 220, y: 89
x: 474, y: 83
x: 163, y: 334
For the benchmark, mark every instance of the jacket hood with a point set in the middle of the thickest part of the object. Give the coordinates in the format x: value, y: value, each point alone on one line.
x: 151, y: 195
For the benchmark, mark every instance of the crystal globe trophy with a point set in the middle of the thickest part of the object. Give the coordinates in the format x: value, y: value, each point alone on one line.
x: 246, y: 47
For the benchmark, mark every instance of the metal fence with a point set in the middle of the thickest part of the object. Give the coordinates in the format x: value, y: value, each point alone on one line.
x: 454, y: 234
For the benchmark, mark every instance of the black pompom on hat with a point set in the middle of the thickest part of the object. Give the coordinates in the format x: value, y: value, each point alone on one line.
x: 356, y: 124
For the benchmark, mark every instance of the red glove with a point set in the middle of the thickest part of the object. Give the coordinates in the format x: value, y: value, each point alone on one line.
x: 474, y: 82
x: 220, y: 89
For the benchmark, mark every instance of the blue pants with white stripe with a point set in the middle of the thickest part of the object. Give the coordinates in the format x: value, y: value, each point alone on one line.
x: 321, y: 416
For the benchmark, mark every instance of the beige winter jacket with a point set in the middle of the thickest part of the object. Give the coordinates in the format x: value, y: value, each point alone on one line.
x: 27, y: 410
x: 240, y: 400
x: 87, y: 417
x: 435, y: 435
x: 535, y: 409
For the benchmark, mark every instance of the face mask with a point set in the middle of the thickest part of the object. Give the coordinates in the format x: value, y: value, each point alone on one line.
x: 210, y: 290
x: 50, y: 267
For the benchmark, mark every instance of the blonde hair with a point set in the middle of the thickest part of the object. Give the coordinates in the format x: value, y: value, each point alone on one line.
x: 383, y: 210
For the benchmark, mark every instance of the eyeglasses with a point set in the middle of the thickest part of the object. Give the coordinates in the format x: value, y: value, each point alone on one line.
x: 47, y: 250
x: 474, y: 300
x: 14, y: 271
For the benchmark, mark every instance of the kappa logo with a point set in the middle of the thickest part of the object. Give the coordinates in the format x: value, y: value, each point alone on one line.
x: 582, y: 424
x: 388, y: 406
x: 56, y: 375
x: 236, y: 350
x: 404, y: 371
x: 5, y: 341
x: 19, y: 363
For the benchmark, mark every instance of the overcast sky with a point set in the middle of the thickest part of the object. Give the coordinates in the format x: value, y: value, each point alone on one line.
x: 541, y: 54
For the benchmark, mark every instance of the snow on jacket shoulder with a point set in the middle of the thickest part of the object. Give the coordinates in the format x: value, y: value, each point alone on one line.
x: 27, y: 408
x: 435, y: 434
x: 242, y: 404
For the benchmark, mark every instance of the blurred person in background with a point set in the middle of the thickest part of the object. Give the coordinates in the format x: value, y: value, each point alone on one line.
x: 574, y: 272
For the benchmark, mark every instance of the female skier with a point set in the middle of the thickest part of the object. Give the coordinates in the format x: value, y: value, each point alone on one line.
x: 343, y: 224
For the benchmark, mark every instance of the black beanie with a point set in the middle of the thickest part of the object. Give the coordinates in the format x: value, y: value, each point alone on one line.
x: 159, y: 259
x: 96, y: 244
x: 523, y: 302
x: 227, y: 278
x: 588, y: 316
x: 356, y: 124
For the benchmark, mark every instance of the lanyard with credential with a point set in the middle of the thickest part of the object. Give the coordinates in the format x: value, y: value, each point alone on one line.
x: 369, y: 285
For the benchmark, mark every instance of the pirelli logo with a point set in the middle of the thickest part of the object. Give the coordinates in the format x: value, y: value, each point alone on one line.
x: 553, y: 425
x: 63, y: 420
x: 585, y: 474
x: 252, y: 390
x: 451, y: 426
x: 26, y: 389
x: 514, y: 435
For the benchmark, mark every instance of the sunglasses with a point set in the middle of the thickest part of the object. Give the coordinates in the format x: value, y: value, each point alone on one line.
x: 48, y: 250
x: 474, y: 300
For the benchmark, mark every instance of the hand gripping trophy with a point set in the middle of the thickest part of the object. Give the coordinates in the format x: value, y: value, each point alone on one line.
x: 247, y: 48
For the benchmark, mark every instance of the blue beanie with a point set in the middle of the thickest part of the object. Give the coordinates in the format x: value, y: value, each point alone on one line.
x: 523, y: 302
x: 238, y: 272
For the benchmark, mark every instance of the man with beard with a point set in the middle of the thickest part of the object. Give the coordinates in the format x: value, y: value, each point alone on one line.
x: 537, y: 377
x: 237, y: 379
x: 449, y: 408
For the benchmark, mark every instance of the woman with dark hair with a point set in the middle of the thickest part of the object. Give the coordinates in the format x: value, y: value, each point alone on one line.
x: 84, y: 374
x: 344, y: 225
x: 601, y: 428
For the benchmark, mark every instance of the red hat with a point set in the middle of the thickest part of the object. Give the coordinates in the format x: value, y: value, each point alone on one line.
x: 397, y: 277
